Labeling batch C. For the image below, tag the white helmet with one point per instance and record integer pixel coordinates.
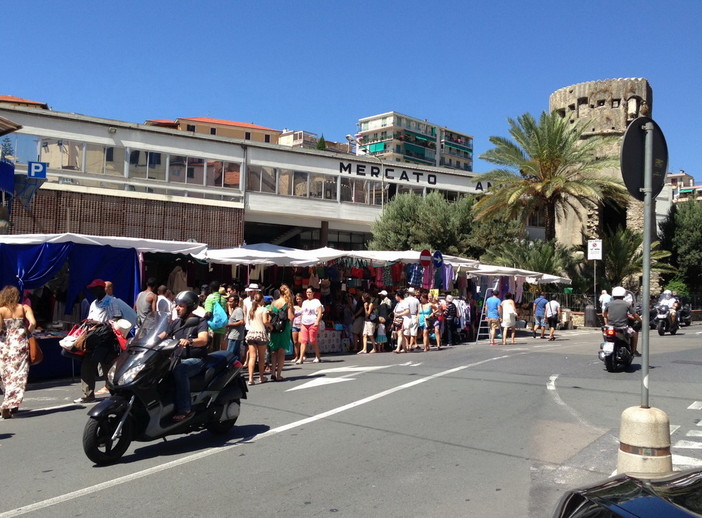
(619, 291)
(668, 294)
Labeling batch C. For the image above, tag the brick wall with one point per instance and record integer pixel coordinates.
(54, 212)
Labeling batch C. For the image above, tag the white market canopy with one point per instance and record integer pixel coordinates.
(140, 245)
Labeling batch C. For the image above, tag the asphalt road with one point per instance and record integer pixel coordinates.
(471, 430)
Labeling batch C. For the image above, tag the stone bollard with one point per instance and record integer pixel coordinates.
(644, 443)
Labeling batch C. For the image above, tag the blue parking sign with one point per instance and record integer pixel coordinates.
(36, 169)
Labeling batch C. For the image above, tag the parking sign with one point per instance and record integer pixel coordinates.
(36, 169)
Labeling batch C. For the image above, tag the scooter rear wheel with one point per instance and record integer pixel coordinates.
(97, 439)
(609, 363)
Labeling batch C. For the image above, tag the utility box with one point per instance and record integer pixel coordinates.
(566, 319)
(591, 316)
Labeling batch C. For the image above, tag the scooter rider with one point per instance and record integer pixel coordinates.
(191, 331)
(618, 313)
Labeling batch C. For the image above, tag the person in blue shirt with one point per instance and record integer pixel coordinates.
(539, 310)
(493, 315)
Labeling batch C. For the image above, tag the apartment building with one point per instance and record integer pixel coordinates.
(395, 137)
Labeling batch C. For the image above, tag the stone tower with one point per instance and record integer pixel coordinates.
(607, 107)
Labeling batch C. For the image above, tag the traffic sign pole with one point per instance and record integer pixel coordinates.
(648, 198)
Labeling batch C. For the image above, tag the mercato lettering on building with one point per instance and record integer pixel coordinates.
(391, 173)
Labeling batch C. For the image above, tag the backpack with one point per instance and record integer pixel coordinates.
(279, 319)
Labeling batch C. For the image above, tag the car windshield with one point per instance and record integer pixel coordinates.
(154, 325)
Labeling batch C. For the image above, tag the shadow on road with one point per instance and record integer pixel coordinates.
(192, 443)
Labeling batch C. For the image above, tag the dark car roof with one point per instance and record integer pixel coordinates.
(679, 495)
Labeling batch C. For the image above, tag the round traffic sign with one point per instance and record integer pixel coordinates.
(438, 259)
(425, 258)
(632, 158)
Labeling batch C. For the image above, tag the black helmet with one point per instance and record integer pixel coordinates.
(188, 299)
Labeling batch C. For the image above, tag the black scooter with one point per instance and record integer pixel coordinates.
(141, 407)
(615, 349)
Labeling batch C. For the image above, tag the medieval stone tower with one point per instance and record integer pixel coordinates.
(606, 108)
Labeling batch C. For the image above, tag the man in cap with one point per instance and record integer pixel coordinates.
(411, 329)
(100, 344)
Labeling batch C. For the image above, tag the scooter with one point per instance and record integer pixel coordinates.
(141, 406)
(615, 349)
(685, 315)
(664, 320)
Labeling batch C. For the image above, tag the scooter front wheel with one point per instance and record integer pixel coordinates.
(98, 444)
(661, 327)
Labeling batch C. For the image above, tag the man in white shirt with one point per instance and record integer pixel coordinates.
(552, 313)
(101, 344)
(605, 298)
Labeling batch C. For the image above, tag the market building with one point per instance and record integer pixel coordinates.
(157, 181)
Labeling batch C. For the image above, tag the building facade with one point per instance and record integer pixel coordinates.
(394, 137)
(109, 177)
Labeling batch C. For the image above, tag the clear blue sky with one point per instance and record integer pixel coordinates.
(322, 65)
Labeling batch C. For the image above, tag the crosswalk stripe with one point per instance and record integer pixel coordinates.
(691, 445)
(694, 433)
(679, 461)
(697, 405)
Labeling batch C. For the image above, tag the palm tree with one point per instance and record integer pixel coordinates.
(549, 168)
(623, 256)
(538, 256)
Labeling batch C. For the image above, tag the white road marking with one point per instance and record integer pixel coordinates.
(697, 405)
(674, 428)
(246, 440)
(694, 433)
(679, 461)
(688, 445)
(551, 385)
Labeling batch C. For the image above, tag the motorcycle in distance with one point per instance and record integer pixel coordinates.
(141, 405)
(664, 320)
(615, 349)
(685, 315)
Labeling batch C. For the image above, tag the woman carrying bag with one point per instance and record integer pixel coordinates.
(16, 324)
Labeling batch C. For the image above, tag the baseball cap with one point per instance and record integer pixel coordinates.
(97, 283)
(252, 287)
(382, 292)
(410, 290)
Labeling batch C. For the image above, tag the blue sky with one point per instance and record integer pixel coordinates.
(322, 65)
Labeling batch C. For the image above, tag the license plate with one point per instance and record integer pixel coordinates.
(608, 347)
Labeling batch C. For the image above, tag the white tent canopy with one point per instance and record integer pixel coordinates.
(141, 245)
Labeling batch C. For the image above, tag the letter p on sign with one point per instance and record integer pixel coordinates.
(36, 169)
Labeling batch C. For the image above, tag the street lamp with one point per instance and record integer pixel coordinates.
(357, 142)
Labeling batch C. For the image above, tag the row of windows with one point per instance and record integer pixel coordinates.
(120, 163)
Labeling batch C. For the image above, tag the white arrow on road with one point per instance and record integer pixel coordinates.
(321, 378)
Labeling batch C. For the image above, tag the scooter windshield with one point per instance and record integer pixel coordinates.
(149, 334)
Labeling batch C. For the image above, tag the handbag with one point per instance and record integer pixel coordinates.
(74, 341)
(36, 355)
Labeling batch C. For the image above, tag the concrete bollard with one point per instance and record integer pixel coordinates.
(644, 443)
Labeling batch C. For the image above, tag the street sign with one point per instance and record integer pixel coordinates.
(438, 259)
(425, 258)
(36, 169)
(632, 158)
(594, 249)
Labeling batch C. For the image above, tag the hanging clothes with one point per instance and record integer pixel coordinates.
(178, 280)
(414, 273)
(448, 277)
(428, 278)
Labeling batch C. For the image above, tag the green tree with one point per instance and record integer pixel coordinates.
(539, 256)
(547, 169)
(622, 255)
(412, 222)
(6, 149)
(321, 143)
(682, 233)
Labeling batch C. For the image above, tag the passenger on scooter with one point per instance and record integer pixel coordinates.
(673, 304)
(191, 330)
(618, 314)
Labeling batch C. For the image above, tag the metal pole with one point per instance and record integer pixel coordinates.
(594, 287)
(647, 190)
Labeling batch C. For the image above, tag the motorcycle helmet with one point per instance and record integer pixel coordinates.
(187, 299)
(618, 291)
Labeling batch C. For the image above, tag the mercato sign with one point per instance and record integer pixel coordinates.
(401, 175)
